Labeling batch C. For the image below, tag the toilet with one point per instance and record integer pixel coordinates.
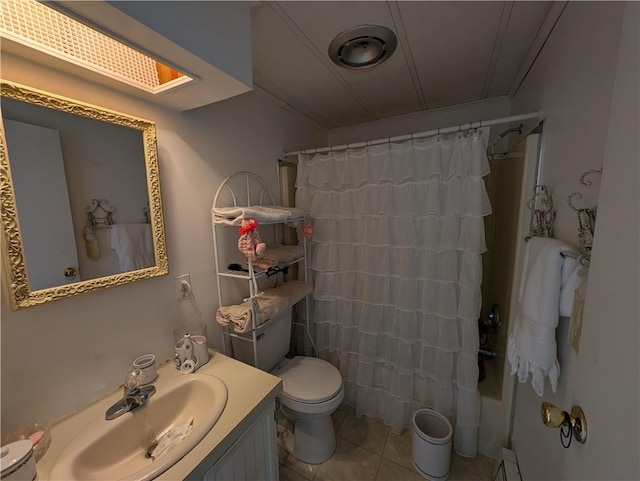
(312, 390)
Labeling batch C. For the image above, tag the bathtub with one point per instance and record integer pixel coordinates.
(495, 402)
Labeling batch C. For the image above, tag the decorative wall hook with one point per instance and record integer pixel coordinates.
(571, 425)
(100, 213)
(584, 181)
(586, 217)
(543, 214)
(583, 177)
(570, 199)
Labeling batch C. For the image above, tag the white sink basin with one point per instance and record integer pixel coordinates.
(115, 450)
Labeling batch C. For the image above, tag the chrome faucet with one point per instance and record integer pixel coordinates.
(134, 395)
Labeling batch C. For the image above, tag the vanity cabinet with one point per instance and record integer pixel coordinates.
(241, 445)
(253, 456)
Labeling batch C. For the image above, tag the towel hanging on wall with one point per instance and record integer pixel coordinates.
(577, 312)
(92, 248)
(532, 342)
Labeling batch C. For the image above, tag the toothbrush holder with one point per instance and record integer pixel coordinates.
(146, 364)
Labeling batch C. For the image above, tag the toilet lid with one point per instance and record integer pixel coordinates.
(308, 379)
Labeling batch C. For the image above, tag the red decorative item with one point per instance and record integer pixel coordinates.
(306, 231)
(248, 227)
(249, 243)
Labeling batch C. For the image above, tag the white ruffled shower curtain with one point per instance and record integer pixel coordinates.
(396, 268)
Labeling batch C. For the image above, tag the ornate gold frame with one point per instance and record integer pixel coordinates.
(14, 271)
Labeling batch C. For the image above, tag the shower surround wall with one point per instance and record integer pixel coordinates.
(503, 186)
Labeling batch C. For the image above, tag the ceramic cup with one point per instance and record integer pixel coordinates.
(146, 364)
(18, 461)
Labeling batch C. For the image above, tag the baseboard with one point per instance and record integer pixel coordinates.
(506, 467)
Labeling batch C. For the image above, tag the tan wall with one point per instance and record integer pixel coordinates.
(586, 81)
(61, 356)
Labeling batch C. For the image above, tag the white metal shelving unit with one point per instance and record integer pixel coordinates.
(246, 189)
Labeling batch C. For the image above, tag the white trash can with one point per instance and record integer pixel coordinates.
(431, 444)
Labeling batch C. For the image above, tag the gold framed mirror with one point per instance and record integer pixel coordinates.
(106, 171)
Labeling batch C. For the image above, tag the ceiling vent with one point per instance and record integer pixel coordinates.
(363, 46)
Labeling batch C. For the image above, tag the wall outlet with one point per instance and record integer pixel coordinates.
(183, 286)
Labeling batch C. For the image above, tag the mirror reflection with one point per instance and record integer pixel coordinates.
(87, 201)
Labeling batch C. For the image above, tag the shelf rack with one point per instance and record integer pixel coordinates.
(246, 189)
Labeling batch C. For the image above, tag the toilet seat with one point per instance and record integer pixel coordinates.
(312, 391)
(308, 380)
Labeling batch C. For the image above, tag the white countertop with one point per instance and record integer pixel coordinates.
(250, 391)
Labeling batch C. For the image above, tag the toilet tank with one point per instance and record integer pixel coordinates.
(272, 345)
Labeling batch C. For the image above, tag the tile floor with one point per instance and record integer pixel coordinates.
(368, 451)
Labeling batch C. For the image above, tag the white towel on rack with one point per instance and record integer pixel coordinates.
(261, 213)
(133, 244)
(271, 302)
(572, 275)
(532, 342)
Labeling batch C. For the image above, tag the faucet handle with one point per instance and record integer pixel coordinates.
(132, 382)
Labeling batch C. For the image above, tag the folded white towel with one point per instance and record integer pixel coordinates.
(261, 213)
(133, 244)
(532, 342)
(571, 279)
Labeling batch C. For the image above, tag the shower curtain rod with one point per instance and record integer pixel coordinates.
(419, 135)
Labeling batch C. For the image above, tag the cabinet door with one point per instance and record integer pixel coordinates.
(254, 457)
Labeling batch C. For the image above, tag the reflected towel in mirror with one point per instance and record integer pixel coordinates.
(133, 244)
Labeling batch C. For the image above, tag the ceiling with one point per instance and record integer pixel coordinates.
(448, 53)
